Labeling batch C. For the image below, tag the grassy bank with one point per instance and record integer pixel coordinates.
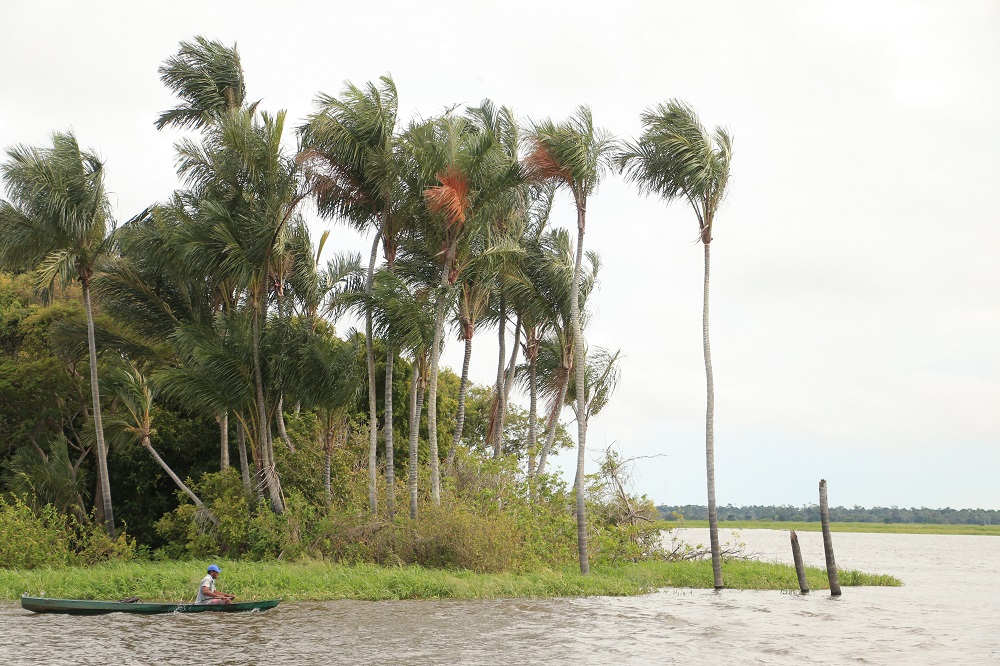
(882, 528)
(322, 581)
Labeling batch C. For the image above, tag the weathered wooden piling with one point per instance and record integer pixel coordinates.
(831, 563)
(800, 568)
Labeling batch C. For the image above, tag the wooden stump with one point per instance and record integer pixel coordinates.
(800, 569)
(831, 563)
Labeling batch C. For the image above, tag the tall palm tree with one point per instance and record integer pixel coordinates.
(574, 154)
(56, 219)
(470, 174)
(677, 158)
(248, 190)
(349, 149)
(208, 78)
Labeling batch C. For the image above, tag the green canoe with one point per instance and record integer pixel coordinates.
(90, 607)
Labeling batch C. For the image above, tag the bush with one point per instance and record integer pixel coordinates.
(28, 541)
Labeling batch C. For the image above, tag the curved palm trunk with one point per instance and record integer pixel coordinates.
(372, 401)
(713, 518)
(432, 390)
(279, 417)
(390, 471)
(102, 451)
(550, 436)
(512, 365)
(463, 389)
(581, 398)
(180, 484)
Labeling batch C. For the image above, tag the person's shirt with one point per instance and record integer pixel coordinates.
(208, 582)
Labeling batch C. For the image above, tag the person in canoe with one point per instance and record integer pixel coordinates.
(207, 594)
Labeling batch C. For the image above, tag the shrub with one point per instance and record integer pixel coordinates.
(28, 541)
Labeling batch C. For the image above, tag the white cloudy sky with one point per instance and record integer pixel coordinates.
(856, 288)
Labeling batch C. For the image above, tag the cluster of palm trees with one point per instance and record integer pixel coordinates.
(220, 301)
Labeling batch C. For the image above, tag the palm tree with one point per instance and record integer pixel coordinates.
(248, 191)
(208, 77)
(133, 419)
(574, 154)
(349, 149)
(677, 158)
(472, 172)
(56, 219)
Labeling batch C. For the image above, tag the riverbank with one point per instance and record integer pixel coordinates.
(873, 528)
(323, 581)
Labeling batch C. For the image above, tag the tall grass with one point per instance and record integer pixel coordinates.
(178, 581)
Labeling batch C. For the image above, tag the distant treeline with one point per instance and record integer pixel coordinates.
(856, 514)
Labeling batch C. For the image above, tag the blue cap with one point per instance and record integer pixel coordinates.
(214, 567)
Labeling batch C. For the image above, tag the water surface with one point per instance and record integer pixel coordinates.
(946, 613)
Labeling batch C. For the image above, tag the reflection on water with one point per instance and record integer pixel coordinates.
(946, 613)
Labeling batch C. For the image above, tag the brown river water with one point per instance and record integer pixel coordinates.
(947, 612)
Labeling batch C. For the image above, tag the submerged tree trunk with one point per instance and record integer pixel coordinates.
(713, 517)
(102, 451)
(390, 470)
(831, 563)
(372, 401)
(176, 479)
(581, 397)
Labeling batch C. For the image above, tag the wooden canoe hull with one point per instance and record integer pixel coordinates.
(91, 607)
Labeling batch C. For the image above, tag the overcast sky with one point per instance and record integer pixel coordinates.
(855, 273)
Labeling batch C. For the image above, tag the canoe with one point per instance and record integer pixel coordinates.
(91, 607)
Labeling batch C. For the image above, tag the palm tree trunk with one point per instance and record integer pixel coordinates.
(416, 402)
(463, 389)
(432, 389)
(550, 436)
(267, 459)
(532, 422)
(390, 471)
(581, 397)
(279, 417)
(372, 400)
(223, 421)
(102, 451)
(241, 440)
(512, 366)
(713, 518)
(180, 484)
(497, 430)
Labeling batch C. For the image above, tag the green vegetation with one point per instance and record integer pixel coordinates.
(323, 581)
(881, 528)
(838, 514)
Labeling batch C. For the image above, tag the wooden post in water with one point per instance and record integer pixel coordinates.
(800, 569)
(831, 563)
